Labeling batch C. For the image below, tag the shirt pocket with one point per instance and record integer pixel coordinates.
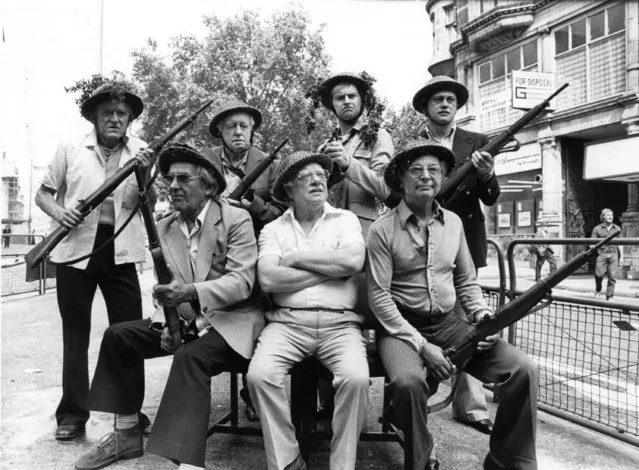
(362, 154)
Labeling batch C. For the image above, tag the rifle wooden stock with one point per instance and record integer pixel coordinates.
(456, 182)
(519, 308)
(248, 180)
(85, 206)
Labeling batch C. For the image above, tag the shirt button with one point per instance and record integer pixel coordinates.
(205, 309)
(467, 193)
(470, 216)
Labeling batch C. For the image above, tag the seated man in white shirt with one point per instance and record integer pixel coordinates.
(307, 260)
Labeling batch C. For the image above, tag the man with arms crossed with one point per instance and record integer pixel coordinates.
(308, 259)
(419, 266)
(211, 251)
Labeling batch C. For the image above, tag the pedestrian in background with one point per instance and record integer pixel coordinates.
(544, 253)
(608, 255)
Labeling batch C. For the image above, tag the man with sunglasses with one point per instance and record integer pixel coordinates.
(419, 265)
(211, 252)
(308, 259)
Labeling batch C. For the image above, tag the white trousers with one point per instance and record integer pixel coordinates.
(335, 339)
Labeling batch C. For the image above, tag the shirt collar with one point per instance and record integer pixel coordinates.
(405, 213)
(92, 139)
(199, 221)
(241, 164)
(329, 210)
(448, 136)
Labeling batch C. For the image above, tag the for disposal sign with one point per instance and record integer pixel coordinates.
(530, 88)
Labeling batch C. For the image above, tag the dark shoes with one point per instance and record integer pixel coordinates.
(250, 412)
(432, 464)
(144, 423)
(67, 432)
(483, 425)
(115, 446)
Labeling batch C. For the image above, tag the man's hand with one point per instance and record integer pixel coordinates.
(288, 260)
(436, 362)
(167, 343)
(173, 293)
(483, 163)
(335, 150)
(68, 218)
(144, 157)
(242, 203)
(487, 343)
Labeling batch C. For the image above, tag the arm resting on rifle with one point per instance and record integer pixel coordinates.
(268, 210)
(45, 200)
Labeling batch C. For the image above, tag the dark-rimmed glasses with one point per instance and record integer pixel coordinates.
(306, 175)
(182, 179)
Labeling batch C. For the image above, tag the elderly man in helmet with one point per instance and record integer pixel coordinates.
(359, 148)
(211, 251)
(235, 123)
(76, 170)
(308, 259)
(439, 101)
(419, 266)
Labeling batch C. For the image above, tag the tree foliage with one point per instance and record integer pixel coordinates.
(84, 88)
(405, 125)
(267, 63)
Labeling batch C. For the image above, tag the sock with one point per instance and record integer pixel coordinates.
(123, 421)
(186, 466)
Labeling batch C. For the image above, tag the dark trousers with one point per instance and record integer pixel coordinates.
(606, 263)
(181, 424)
(547, 256)
(75, 290)
(512, 442)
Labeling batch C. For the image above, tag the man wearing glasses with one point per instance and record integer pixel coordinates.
(419, 265)
(307, 261)
(211, 252)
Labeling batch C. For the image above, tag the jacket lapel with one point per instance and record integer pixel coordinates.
(209, 233)
(252, 159)
(462, 146)
(178, 252)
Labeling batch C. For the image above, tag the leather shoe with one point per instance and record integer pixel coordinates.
(432, 464)
(483, 425)
(67, 432)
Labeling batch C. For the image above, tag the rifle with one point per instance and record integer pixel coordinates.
(458, 181)
(244, 188)
(519, 308)
(85, 206)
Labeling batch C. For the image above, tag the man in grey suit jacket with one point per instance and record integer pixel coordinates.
(211, 251)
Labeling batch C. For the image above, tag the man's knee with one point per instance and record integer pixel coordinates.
(410, 383)
(260, 373)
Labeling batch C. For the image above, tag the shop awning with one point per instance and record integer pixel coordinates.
(615, 160)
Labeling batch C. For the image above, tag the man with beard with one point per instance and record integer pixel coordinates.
(211, 252)
(76, 170)
(439, 101)
(235, 123)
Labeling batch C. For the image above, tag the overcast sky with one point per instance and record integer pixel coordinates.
(49, 44)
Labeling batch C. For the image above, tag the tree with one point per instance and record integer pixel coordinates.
(267, 63)
(405, 125)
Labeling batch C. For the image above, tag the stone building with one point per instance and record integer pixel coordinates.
(580, 157)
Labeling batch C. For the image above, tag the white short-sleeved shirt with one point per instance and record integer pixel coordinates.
(77, 170)
(336, 228)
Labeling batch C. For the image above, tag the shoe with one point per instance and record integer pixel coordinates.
(144, 423)
(483, 425)
(597, 293)
(250, 412)
(432, 464)
(118, 445)
(67, 432)
(608, 297)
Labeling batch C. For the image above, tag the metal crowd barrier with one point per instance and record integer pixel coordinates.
(588, 354)
(16, 277)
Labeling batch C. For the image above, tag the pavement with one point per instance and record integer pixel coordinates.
(30, 389)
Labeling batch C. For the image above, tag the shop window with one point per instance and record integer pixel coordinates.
(578, 33)
(561, 40)
(513, 60)
(530, 53)
(616, 18)
(597, 25)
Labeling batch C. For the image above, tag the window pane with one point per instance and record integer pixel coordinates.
(498, 67)
(578, 33)
(462, 17)
(597, 25)
(530, 53)
(513, 60)
(484, 72)
(616, 18)
(561, 40)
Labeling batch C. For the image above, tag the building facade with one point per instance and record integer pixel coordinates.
(584, 154)
(12, 199)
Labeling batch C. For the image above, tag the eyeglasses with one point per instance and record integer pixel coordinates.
(182, 179)
(417, 171)
(306, 175)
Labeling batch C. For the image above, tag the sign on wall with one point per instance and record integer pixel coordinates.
(530, 88)
(528, 157)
